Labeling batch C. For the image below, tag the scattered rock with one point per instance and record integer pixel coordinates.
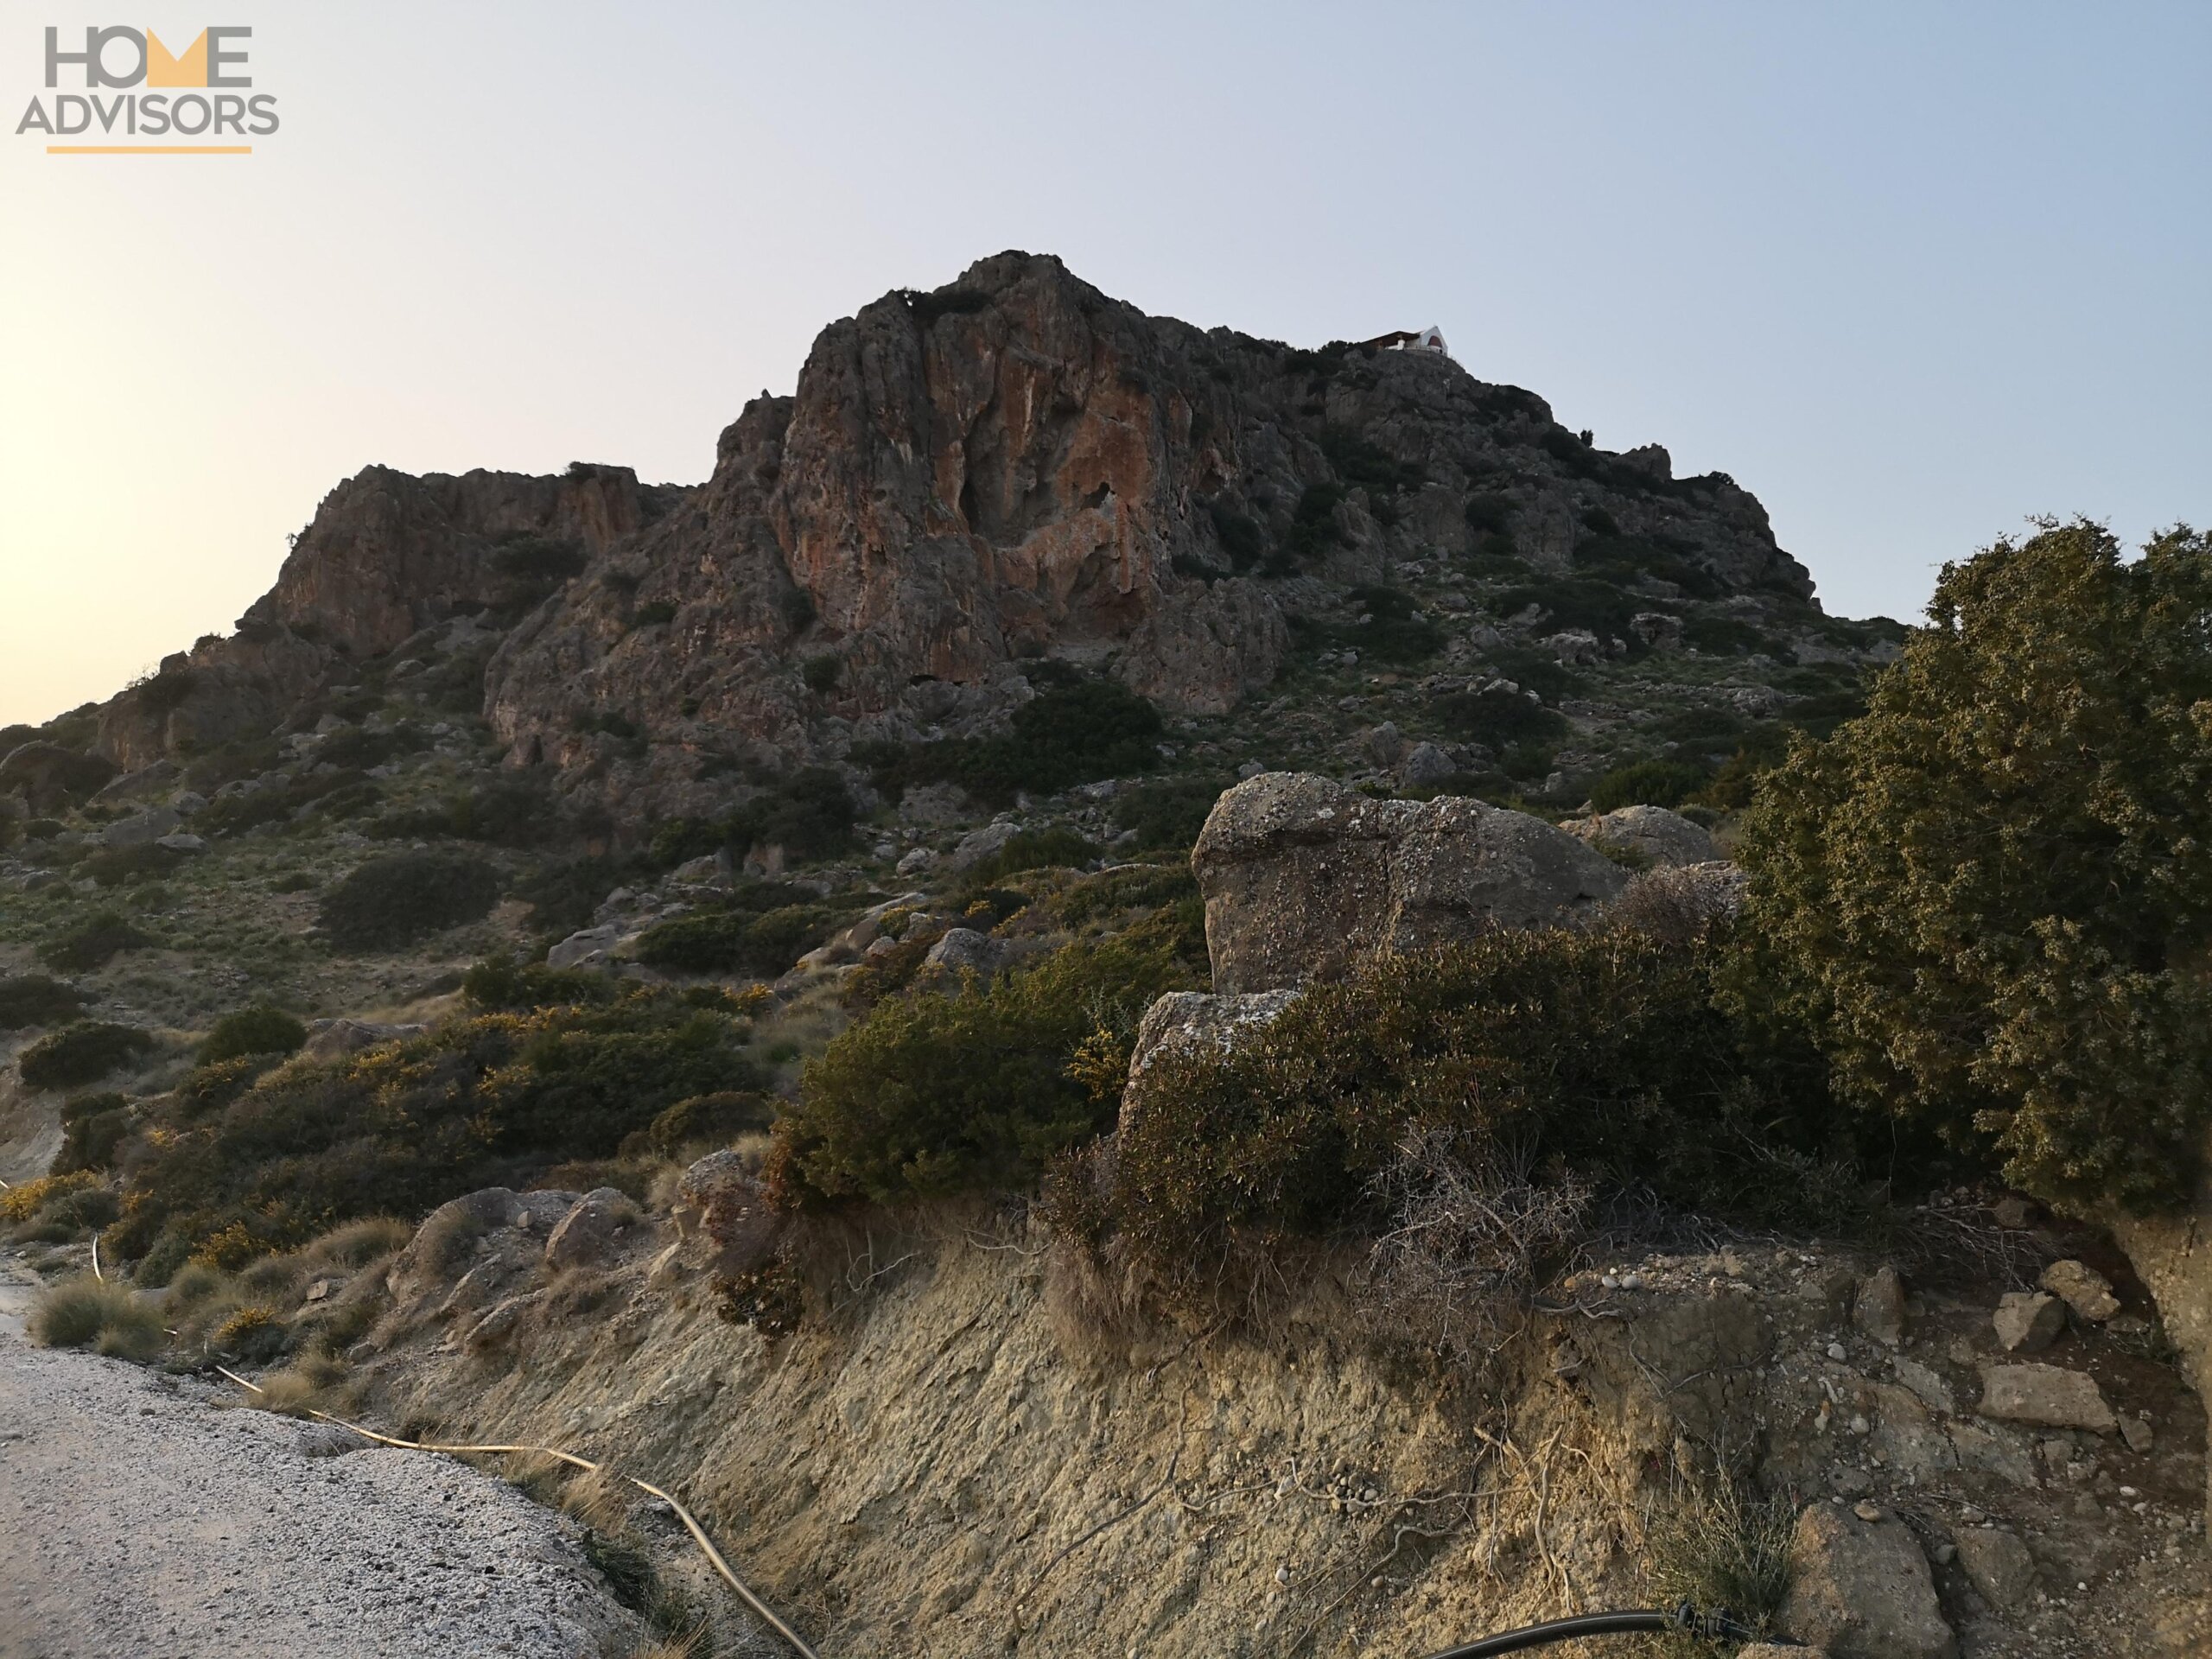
(1658, 836)
(585, 947)
(1303, 877)
(915, 861)
(589, 1232)
(2048, 1394)
(142, 829)
(2027, 1321)
(1998, 1565)
(1425, 766)
(1862, 1589)
(1879, 1309)
(704, 870)
(979, 844)
(962, 950)
(2137, 1433)
(2083, 1288)
(181, 841)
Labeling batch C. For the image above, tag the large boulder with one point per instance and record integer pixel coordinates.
(1652, 833)
(1303, 878)
(595, 1226)
(1860, 1587)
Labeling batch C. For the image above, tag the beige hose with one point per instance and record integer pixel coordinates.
(690, 1523)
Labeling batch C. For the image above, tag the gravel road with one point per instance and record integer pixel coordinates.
(142, 1518)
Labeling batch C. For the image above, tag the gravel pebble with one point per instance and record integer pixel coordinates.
(143, 1519)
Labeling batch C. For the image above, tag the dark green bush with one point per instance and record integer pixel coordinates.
(1132, 887)
(113, 867)
(761, 942)
(27, 1000)
(81, 1054)
(390, 903)
(1991, 897)
(498, 1099)
(1067, 735)
(821, 672)
(92, 1127)
(342, 793)
(1647, 783)
(1725, 636)
(1604, 1054)
(500, 982)
(211, 1087)
(653, 615)
(703, 1120)
(1313, 525)
(1577, 602)
(539, 560)
(93, 943)
(1032, 849)
(252, 1031)
(1240, 536)
(1498, 719)
(933, 1095)
(1398, 632)
(1168, 813)
(564, 897)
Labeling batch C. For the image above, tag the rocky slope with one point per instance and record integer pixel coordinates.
(1012, 467)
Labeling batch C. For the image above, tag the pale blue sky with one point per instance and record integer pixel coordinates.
(1909, 273)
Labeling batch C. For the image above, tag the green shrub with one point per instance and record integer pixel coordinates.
(1646, 783)
(1725, 636)
(114, 867)
(701, 1120)
(1240, 536)
(1312, 527)
(93, 943)
(564, 897)
(502, 984)
(1070, 733)
(504, 812)
(1032, 849)
(27, 1000)
(390, 903)
(252, 1031)
(1991, 897)
(85, 1313)
(1168, 813)
(538, 560)
(496, 1099)
(763, 944)
(653, 615)
(932, 1095)
(1498, 719)
(81, 1054)
(821, 672)
(1604, 1054)
(1134, 886)
(209, 1087)
(92, 1127)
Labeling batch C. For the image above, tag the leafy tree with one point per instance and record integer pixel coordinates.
(1992, 895)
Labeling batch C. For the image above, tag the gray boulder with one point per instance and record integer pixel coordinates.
(1999, 1566)
(592, 1229)
(1185, 1020)
(1652, 833)
(1303, 878)
(979, 844)
(1425, 766)
(2049, 1395)
(963, 949)
(180, 841)
(142, 828)
(330, 1039)
(584, 947)
(2083, 1288)
(1862, 1589)
(2027, 1321)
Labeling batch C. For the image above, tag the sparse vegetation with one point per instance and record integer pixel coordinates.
(108, 1318)
(32, 999)
(93, 943)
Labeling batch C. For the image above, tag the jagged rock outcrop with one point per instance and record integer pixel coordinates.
(386, 556)
(1303, 877)
(1012, 467)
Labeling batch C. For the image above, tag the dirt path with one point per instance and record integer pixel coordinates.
(140, 1518)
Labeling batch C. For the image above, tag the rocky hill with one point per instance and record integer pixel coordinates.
(1012, 470)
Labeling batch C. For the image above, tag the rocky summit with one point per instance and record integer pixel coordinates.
(1009, 474)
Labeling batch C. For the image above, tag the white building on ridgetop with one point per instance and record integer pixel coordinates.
(1430, 338)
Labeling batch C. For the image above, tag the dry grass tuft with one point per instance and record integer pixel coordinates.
(1717, 1546)
(108, 1318)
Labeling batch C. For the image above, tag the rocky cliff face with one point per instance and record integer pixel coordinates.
(1012, 467)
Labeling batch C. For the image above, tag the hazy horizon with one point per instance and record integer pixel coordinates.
(1910, 277)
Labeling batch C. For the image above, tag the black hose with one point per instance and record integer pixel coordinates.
(1684, 1618)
